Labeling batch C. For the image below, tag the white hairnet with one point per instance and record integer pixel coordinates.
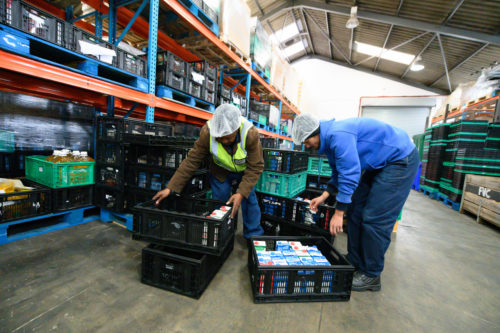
(303, 126)
(226, 120)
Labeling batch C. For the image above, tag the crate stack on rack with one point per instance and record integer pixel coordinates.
(191, 238)
(28, 19)
(202, 81)
(259, 113)
(150, 163)
(425, 156)
(283, 197)
(171, 71)
(437, 147)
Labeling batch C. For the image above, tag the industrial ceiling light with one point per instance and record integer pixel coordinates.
(417, 65)
(353, 22)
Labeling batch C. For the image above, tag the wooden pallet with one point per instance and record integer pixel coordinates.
(482, 198)
(483, 98)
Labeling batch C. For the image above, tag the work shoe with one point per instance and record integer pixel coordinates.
(362, 282)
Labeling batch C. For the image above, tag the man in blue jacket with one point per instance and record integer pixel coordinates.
(373, 166)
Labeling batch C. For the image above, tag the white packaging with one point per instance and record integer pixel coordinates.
(235, 25)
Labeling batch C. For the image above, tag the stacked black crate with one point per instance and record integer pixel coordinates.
(465, 150)
(203, 81)
(259, 112)
(152, 161)
(425, 155)
(171, 71)
(493, 137)
(437, 148)
(224, 95)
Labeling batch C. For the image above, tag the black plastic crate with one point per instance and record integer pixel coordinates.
(285, 161)
(166, 60)
(109, 198)
(203, 67)
(156, 179)
(109, 175)
(295, 211)
(184, 222)
(135, 126)
(21, 205)
(194, 89)
(287, 229)
(169, 157)
(211, 13)
(180, 271)
(75, 34)
(268, 142)
(166, 77)
(273, 284)
(210, 84)
(135, 196)
(147, 140)
(111, 153)
(110, 128)
(225, 92)
(25, 17)
(131, 63)
(70, 198)
(209, 96)
(12, 165)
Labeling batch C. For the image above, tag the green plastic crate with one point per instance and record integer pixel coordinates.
(262, 119)
(7, 144)
(285, 129)
(314, 165)
(324, 167)
(282, 184)
(57, 175)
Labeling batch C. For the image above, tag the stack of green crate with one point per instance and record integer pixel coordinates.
(319, 166)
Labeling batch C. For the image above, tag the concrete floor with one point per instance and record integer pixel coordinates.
(442, 275)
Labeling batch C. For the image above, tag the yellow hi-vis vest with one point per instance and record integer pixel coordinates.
(238, 161)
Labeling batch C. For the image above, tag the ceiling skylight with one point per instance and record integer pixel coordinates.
(396, 56)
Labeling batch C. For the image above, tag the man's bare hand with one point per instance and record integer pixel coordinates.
(161, 195)
(236, 201)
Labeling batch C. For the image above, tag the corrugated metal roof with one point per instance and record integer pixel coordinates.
(474, 15)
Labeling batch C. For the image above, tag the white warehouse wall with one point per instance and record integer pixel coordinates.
(331, 90)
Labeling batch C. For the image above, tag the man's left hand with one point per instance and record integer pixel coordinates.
(236, 201)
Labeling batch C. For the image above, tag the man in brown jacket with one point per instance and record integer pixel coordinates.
(233, 144)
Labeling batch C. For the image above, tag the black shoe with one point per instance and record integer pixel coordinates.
(362, 282)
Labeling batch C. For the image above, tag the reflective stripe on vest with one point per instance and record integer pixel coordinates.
(236, 162)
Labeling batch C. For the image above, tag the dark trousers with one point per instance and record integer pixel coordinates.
(375, 207)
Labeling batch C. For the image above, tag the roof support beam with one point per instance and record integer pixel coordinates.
(307, 30)
(444, 62)
(329, 39)
(473, 54)
(379, 74)
(393, 48)
(328, 32)
(299, 29)
(418, 55)
(387, 19)
(388, 35)
(457, 6)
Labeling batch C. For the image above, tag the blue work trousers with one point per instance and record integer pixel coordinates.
(375, 207)
(249, 206)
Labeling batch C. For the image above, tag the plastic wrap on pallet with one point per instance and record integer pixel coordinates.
(235, 25)
(278, 71)
(40, 124)
(274, 117)
(260, 46)
(292, 88)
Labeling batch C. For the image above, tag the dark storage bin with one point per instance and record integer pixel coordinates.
(109, 198)
(272, 284)
(77, 34)
(183, 272)
(210, 97)
(210, 84)
(204, 68)
(225, 92)
(130, 63)
(135, 196)
(268, 142)
(12, 165)
(169, 157)
(166, 60)
(111, 153)
(285, 161)
(110, 128)
(71, 198)
(156, 179)
(21, 205)
(195, 89)
(295, 211)
(110, 175)
(171, 79)
(184, 222)
(25, 17)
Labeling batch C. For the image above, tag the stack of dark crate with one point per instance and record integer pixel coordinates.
(286, 211)
(190, 237)
(152, 161)
(425, 155)
(259, 112)
(437, 148)
(224, 94)
(464, 138)
(111, 151)
(171, 71)
(202, 81)
(269, 142)
(493, 137)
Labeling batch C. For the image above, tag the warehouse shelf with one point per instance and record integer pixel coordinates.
(482, 108)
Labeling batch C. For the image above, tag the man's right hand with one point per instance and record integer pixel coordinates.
(318, 201)
(161, 195)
